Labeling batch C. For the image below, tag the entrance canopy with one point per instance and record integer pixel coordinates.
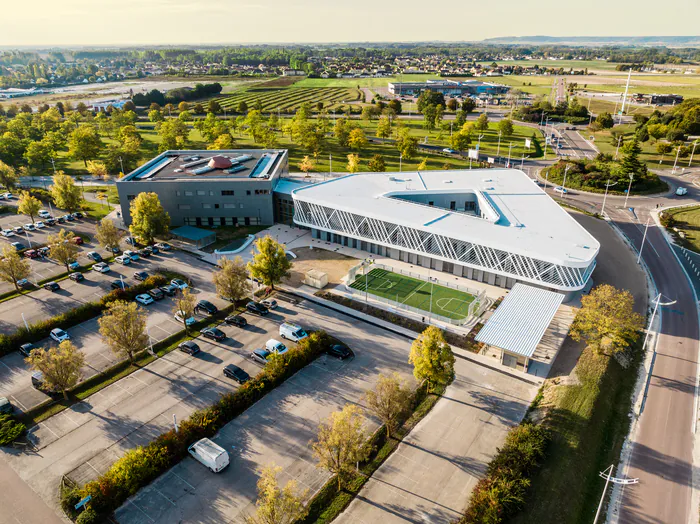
(194, 235)
(519, 323)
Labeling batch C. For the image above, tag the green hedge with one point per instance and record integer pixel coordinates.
(40, 330)
(10, 429)
(501, 493)
(142, 465)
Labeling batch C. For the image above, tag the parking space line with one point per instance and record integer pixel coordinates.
(65, 414)
(18, 403)
(183, 480)
(8, 367)
(166, 498)
(139, 508)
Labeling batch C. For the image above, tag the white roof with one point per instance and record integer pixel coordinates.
(519, 323)
(519, 216)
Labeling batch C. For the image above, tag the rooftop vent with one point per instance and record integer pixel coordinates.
(220, 162)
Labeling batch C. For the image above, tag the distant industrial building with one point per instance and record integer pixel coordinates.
(657, 99)
(448, 88)
(209, 188)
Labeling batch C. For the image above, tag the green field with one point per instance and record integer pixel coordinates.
(446, 302)
(688, 219)
(288, 99)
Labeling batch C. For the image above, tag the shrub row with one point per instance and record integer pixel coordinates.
(10, 429)
(40, 330)
(501, 493)
(142, 465)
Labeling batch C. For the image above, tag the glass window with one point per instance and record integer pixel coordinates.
(201, 192)
(189, 193)
(183, 206)
(229, 206)
(177, 193)
(227, 193)
(206, 206)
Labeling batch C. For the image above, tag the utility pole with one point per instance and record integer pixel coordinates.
(608, 185)
(629, 188)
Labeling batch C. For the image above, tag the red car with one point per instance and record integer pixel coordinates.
(78, 240)
(31, 253)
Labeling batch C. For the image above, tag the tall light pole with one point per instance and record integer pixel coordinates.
(675, 162)
(510, 146)
(657, 303)
(563, 185)
(607, 475)
(607, 186)
(498, 151)
(617, 149)
(692, 153)
(400, 162)
(629, 188)
(641, 248)
(522, 160)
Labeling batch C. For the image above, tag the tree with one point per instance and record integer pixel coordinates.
(353, 163)
(154, 115)
(505, 126)
(8, 176)
(183, 106)
(214, 107)
(657, 131)
(222, 142)
(605, 120)
(406, 144)
(84, 143)
(275, 505)
(452, 104)
(341, 131)
(630, 163)
(173, 134)
(13, 267)
(460, 140)
(97, 169)
(28, 205)
(664, 148)
(306, 165)
(376, 164)
(108, 235)
(388, 400)
(357, 139)
(231, 281)
(65, 193)
(184, 305)
(242, 107)
(423, 165)
(60, 366)
(62, 248)
(270, 263)
(384, 127)
(468, 105)
(148, 218)
(432, 358)
(123, 328)
(429, 98)
(482, 123)
(368, 113)
(607, 320)
(340, 443)
(395, 106)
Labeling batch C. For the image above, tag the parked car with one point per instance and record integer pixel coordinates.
(119, 284)
(52, 286)
(94, 255)
(340, 351)
(292, 332)
(141, 275)
(38, 382)
(29, 227)
(59, 335)
(26, 349)
(78, 214)
(156, 293)
(260, 356)
(101, 267)
(31, 253)
(130, 241)
(78, 241)
(236, 320)
(178, 283)
(61, 220)
(210, 454)
(180, 317)
(50, 221)
(204, 306)
(269, 303)
(257, 308)
(275, 346)
(154, 249)
(44, 214)
(8, 196)
(18, 230)
(78, 277)
(163, 246)
(115, 250)
(73, 266)
(40, 225)
(213, 333)
(69, 218)
(5, 406)
(18, 246)
(123, 259)
(144, 299)
(7, 233)
(133, 255)
(190, 347)
(24, 283)
(44, 251)
(236, 373)
(145, 253)
(168, 290)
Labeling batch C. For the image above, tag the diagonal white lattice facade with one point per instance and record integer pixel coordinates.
(519, 267)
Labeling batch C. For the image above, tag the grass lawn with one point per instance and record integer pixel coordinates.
(688, 221)
(589, 422)
(416, 293)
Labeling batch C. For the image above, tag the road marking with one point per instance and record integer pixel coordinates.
(18, 403)
(139, 508)
(183, 480)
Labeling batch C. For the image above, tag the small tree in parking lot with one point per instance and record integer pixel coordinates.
(148, 218)
(28, 205)
(388, 399)
(432, 358)
(231, 280)
(123, 328)
(275, 505)
(108, 235)
(13, 267)
(60, 366)
(184, 305)
(65, 193)
(270, 263)
(62, 248)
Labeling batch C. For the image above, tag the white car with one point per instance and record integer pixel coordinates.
(8, 233)
(681, 191)
(123, 259)
(40, 225)
(29, 227)
(100, 267)
(560, 190)
(44, 214)
(449, 151)
(133, 255)
(180, 284)
(179, 316)
(8, 196)
(269, 303)
(59, 335)
(144, 299)
(275, 346)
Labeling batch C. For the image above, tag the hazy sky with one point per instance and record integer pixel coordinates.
(128, 22)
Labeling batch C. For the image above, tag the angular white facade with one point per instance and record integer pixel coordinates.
(493, 222)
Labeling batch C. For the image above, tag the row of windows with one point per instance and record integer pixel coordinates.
(212, 206)
(222, 221)
(224, 192)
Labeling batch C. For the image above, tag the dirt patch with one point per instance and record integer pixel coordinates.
(282, 81)
(333, 264)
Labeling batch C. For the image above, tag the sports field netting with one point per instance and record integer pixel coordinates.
(447, 302)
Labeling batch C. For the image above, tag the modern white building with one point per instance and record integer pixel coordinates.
(494, 225)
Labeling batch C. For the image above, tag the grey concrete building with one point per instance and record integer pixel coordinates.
(209, 188)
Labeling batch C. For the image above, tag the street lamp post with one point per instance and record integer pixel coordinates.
(563, 185)
(522, 160)
(608, 185)
(498, 151)
(641, 248)
(510, 146)
(629, 188)
(692, 153)
(617, 149)
(400, 162)
(675, 162)
(607, 475)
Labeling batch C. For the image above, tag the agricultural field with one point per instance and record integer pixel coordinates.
(363, 82)
(288, 99)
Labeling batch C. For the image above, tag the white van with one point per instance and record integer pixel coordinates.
(275, 346)
(292, 332)
(210, 454)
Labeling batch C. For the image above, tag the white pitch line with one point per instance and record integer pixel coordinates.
(414, 292)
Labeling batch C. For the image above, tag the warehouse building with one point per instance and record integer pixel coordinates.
(453, 88)
(495, 226)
